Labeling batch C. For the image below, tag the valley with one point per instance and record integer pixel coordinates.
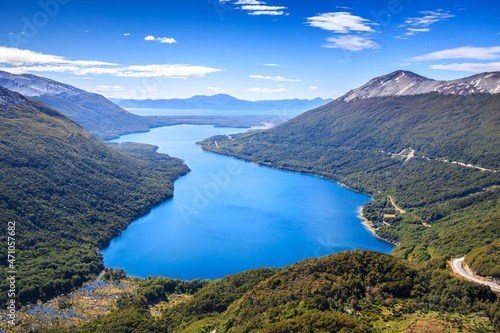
(423, 203)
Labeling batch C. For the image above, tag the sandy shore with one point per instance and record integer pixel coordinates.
(368, 225)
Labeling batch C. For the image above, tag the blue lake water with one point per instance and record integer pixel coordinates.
(229, 216)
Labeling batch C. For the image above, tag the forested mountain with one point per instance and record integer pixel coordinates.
(97, 114)
(351, 291)
(435, 154)
(223, 102)
(68, 194)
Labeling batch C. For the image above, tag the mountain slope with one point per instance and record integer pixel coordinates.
(436, 154)
(97, 114)
(68, 194)
(352, 291)
(403, 83)
(223, 102)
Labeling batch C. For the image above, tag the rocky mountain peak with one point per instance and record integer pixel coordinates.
(401, 83)
(33, 86)
(10, 99)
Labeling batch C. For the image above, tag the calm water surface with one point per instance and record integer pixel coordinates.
(228, 216)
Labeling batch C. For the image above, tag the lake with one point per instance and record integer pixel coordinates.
(228, 216)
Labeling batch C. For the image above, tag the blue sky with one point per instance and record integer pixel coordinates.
(251, 49)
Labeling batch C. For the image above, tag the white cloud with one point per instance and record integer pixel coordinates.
(274, 78)
(267, 90)
(465, 52)
(126, 34)
(24, 61)
(256, 7)
(419, 30)
(470, 67)
(16, 56)
(217, 89)
(415, 25)
(161, 40)
(429, 18)
(166, 71)
(341, 22)
(272, 65)
(262, 7)
(166, 40)
(351, 43)
(248, 2)
(44, 68)
(267, 12)
(313, 88)
(104, 87)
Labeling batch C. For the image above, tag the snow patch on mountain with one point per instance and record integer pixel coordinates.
(402, 83)
(33, 86)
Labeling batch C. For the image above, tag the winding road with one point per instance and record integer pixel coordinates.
(456, 265)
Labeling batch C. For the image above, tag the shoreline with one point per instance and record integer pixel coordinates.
(366, 223)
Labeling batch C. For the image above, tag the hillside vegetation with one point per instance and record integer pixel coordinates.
(68, 194)
(352, 291)
(368, 145)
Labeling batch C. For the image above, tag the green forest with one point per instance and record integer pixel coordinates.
(351, 291)
(69, 195)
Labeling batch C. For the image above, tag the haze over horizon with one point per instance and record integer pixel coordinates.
(250, 49)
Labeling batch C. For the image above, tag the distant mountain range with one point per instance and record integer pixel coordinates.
(402, 83)
(223, 102)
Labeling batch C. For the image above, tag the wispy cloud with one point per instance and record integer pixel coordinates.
(217, 90)
(103, 87)
(180, 71)
(469, 67)
(262, 7)
(414, 25)
(313, 88)
(24, 61)
(272, 65)
(340, 22)
(351, 43)
(126, 34)
(274, 78)
(357, 31)
(465, 52)
(267, 12)
(256, 7)
(248, 2)
(267, 90)
(162, 40)
(430, 17)
(16, 56)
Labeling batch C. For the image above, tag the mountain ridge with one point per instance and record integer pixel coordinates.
(97, 114)
(403, 83)
(223, 102)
